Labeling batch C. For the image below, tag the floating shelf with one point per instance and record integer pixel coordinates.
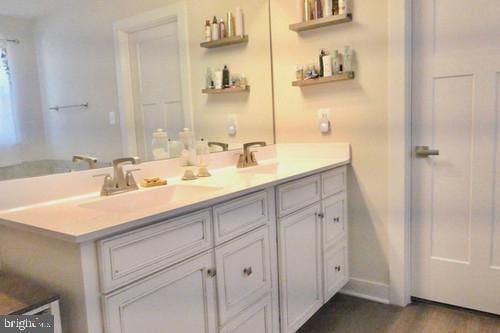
(322, 22)
(323, 80)
(225, 91)
(225, 42)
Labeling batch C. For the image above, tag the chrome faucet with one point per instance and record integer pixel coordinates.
(121, 181)
(224, 146)
(90, 160)
(247, 159)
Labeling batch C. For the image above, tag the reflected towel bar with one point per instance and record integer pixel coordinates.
(57, 108)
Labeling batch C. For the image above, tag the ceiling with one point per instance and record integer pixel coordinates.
(29, 8)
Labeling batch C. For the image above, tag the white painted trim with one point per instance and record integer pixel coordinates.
(122, 29)
(399, 104)
(370, 290)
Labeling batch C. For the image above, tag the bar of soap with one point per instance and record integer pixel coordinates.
(157, 181)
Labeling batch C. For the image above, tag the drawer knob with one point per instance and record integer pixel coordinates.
(320, 215)
(247, 271)
(211, 272)
(338, 268)
(336, 219)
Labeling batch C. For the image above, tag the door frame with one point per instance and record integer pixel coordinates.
(400, 150)
(121, 31)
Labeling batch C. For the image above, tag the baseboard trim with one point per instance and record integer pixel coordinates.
(370, 290)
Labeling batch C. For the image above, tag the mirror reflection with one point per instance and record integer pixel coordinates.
(83, 82)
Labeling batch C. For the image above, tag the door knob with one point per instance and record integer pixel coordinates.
(424, 151)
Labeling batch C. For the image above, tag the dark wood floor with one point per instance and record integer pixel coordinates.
(346, 314)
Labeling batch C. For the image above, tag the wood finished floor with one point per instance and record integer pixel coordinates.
(346, 314)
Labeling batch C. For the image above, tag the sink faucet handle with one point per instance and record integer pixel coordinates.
(246, 146)
(105, 175)
(129, 178)
(108, 185)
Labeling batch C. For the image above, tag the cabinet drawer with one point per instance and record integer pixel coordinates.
(130, 256)
(243, 272)
(334, 181)
(241, 215)
(298, 194)
(335, 219)
(256, 319)
(336, 270)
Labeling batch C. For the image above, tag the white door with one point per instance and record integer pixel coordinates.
(156, 80)
(181, 299)
(456, 194)
(300, 261)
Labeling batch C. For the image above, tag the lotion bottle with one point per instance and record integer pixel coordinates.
(328, 8)
(208, 31)
(240, 23)
(222, 29)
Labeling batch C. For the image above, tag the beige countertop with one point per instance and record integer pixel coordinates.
(72, 220)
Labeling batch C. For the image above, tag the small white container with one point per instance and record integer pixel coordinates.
(218, 79)
(328, 9)
(343, 7)
(327, 66)
(160, 145)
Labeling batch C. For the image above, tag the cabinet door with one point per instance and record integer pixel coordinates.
(300, 267)
(335, 219)
(336, 270)
(181, 299)
(243, 272)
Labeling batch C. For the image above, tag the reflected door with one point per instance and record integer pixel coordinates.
(156, 80)
(456, 166)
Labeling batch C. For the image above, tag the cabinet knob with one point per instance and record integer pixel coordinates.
(336, 219)
(320, 215)
(211, 272)
(247, 271)
(338, 268)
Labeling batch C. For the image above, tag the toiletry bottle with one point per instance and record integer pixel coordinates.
(226, 78)
(208, 31)
(215, 29)
(322, 53)
(327, 65)
(318, 9)
(335, 7)
(240, 23)
(299, 73)
(230, 24)
(209, 79)
(336, 62)
(347, 59)
(328, 8)
(218, 79)
(222, 29)
(243, 82)
(307, 10)
(342, 7)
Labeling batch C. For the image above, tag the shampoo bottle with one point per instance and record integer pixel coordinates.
(318, 9)
(208, 31)
(226, 78)
(215, 29)
(222, 29)
(328, 8)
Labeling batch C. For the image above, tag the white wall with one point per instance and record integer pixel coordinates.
(23, 64)
(359, 116)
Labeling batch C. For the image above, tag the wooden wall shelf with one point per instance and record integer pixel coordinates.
(323, 80)
(225, 42)
(320, 23)
(225, 91)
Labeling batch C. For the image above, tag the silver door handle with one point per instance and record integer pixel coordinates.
(424, 151)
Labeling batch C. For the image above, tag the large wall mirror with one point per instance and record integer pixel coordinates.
(114, 78)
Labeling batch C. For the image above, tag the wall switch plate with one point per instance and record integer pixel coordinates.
(112, 118)
(327, 113)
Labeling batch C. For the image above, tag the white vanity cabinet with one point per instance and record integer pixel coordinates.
(209, 271)
(313, 253)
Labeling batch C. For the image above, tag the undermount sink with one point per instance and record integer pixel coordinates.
(150, 198)
(267, 169)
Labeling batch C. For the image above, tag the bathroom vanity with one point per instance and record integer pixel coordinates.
(247, 250)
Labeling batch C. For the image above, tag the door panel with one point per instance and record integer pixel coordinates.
(455, 98)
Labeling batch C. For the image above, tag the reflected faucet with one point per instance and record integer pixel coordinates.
(247, 159)
(91, 161)
(121, 181)
(224, 146)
